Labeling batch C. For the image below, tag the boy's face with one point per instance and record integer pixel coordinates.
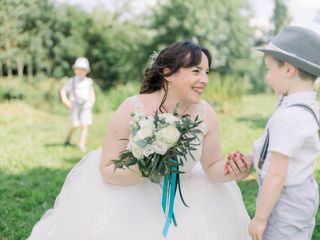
(80, 72)
(276, 76)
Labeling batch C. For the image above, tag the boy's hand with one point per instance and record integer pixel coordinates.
(68, 104)
(257, 228)
(66, 101)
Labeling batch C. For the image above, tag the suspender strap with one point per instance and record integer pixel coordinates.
(265, 146)
(309, 109)
(74, 89)
(264, 150)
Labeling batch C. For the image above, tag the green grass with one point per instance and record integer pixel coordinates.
(34, 163)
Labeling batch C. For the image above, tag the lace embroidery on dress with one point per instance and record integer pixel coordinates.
(208, 229)
(202, 112)
(137, 105)
(100, 223)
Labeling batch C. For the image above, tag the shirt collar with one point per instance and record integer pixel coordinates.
(79, 78)
(300, 97)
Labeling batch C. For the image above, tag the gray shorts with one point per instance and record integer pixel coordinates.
(81, 114)
(293, 216)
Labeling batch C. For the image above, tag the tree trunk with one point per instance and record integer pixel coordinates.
(20, 70)
(49, 69)
(30, 73)
(9, 70)
(1, 70)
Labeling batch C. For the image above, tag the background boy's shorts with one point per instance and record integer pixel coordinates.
(81, 114)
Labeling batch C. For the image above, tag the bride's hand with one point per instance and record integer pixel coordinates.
(248, 159)
(238, 165)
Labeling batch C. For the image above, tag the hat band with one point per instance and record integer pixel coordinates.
(273, 47)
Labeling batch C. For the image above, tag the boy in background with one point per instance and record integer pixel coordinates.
(79, 96)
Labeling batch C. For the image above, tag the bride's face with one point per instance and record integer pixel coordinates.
(188, 84)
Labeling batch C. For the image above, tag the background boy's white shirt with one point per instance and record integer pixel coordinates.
(294, 133)
(82, 89)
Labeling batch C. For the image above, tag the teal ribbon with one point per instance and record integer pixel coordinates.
(168, 200)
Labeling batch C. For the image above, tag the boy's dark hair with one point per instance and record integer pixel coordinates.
(303, 74)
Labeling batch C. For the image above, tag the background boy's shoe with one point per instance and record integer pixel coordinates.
(67, 143)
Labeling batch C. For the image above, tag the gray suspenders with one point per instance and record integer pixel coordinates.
(76, 97)
(264, 150)
(73, 81)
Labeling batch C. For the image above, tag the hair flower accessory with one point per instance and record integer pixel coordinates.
(154, 56)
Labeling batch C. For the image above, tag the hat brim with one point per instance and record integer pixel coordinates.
(297, 62)
(75, 66)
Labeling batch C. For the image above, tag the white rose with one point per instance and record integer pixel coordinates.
(169, 118)
(143, 133)
(169, 135)
(147, 123)
(148, 150)
(129, 145)
(134, 124)
(136, 150)
(160, 147)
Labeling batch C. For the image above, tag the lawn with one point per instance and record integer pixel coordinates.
(34, 163)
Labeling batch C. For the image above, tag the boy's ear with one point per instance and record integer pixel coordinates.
(290, 70)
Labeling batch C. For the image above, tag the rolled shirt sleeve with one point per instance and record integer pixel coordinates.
(289, 130)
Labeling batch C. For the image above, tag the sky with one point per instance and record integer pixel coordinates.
(303, 12)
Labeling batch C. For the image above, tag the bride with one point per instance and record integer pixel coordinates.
(97, 202)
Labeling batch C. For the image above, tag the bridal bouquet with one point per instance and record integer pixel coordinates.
(159, 143)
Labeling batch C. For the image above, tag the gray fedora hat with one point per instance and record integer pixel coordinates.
(297, 46)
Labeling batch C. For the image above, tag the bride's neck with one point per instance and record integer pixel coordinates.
(173, 103)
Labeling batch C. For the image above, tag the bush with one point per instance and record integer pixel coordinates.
(12, 94)
(120, 92)
(225, 92)
(43, 94)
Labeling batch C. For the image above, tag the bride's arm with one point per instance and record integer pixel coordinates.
(211, 159)
(118, 128)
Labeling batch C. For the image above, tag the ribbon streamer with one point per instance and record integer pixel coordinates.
(170, 185)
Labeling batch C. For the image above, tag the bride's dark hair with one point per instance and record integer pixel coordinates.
(178, 55)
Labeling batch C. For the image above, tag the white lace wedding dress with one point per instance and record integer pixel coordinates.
(87, 208)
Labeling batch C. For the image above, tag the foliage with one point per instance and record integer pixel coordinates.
(44, 95)
(221, 26)
(225, 92)
(158, 144)
(281, 17)
(45, 37)
(119, 92)
(118, 52)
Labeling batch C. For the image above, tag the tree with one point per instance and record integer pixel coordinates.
(116, 41)
(280, 16)
(11, 29)
(221, 26)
